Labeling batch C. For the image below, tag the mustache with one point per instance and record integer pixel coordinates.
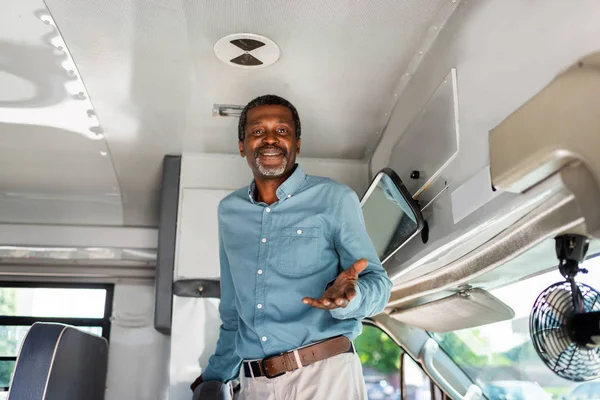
(265, 149)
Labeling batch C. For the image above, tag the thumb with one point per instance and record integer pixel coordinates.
(359, 266)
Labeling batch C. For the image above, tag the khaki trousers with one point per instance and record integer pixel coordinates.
(336, 378)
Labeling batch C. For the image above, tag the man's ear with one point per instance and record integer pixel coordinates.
(241, 147)
(298, 143)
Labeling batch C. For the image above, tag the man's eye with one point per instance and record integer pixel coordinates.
(257, 132)
(283, 130)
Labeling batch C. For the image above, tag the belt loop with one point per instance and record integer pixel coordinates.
(298, 360)
(251, 371)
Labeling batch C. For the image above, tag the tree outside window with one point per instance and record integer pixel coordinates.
(380, 358)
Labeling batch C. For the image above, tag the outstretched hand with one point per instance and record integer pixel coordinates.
(341, 291)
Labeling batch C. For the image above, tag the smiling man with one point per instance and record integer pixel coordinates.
(298, 271)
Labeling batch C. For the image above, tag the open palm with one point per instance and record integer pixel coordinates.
(342, 290)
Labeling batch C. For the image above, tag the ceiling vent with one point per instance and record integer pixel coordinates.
(247, 50)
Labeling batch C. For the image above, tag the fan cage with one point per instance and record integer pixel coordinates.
(575, 363)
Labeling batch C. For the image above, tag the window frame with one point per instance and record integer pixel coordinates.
(404, 353)
(19, 320)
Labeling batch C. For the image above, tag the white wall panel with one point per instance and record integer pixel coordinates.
(194, 335)
(198, 253)
(138, 354)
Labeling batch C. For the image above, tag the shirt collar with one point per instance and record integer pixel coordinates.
(292, 184)
(286, 189)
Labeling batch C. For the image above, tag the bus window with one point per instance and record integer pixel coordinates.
(380, 357)
(88, 307)
(416, 384)
(389, 371)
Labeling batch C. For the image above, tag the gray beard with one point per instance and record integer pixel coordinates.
(271, 171)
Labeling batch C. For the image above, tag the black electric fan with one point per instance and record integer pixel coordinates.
(565, 320)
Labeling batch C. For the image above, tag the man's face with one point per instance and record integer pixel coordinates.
(270, 144)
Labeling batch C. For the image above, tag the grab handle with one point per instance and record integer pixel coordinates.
(427, 353)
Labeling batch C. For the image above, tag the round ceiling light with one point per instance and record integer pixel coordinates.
(247, 50)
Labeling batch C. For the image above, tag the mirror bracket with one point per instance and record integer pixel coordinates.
(425, 233)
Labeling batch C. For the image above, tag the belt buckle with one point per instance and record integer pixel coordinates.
(264, 367)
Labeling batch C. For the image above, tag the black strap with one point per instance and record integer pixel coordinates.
(255, 369)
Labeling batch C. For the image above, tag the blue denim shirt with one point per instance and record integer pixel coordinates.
(274, 255)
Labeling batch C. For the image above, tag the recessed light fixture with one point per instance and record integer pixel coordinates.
(247, 50)
(103, 153)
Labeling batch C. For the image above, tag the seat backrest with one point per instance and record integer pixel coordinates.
(212, 390)
(57, 361)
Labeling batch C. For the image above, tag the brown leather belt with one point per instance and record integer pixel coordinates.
(277, 365)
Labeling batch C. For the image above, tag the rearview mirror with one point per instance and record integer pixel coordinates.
(391, 215)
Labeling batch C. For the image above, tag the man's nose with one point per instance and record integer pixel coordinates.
(271, 137)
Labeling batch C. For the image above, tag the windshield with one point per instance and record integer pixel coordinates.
(500, 357)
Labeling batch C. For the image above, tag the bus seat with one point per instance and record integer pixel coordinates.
(212, 390)
(57, 361)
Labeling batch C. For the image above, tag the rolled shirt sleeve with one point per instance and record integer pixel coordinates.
(352, 242)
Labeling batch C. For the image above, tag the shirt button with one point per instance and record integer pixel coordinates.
(299, 231)
(264, 240)
(260, 271)
(264, 338)
(268, 210)
(289, 195)
(259, 306)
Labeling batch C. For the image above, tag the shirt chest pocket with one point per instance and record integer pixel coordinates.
(300, 251)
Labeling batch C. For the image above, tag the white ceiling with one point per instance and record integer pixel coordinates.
(51, 163)
(152, 77)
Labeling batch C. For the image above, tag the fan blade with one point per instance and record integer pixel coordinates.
(247, 44)
(554, 341)
(560, 303)
(247, 59)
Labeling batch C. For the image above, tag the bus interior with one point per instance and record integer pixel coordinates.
(468, 129)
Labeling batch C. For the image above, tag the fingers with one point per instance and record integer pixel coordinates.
(329, 303)
(324, 303)
(350, 293)
(359, 266)
(314, 303)
(341, 302)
